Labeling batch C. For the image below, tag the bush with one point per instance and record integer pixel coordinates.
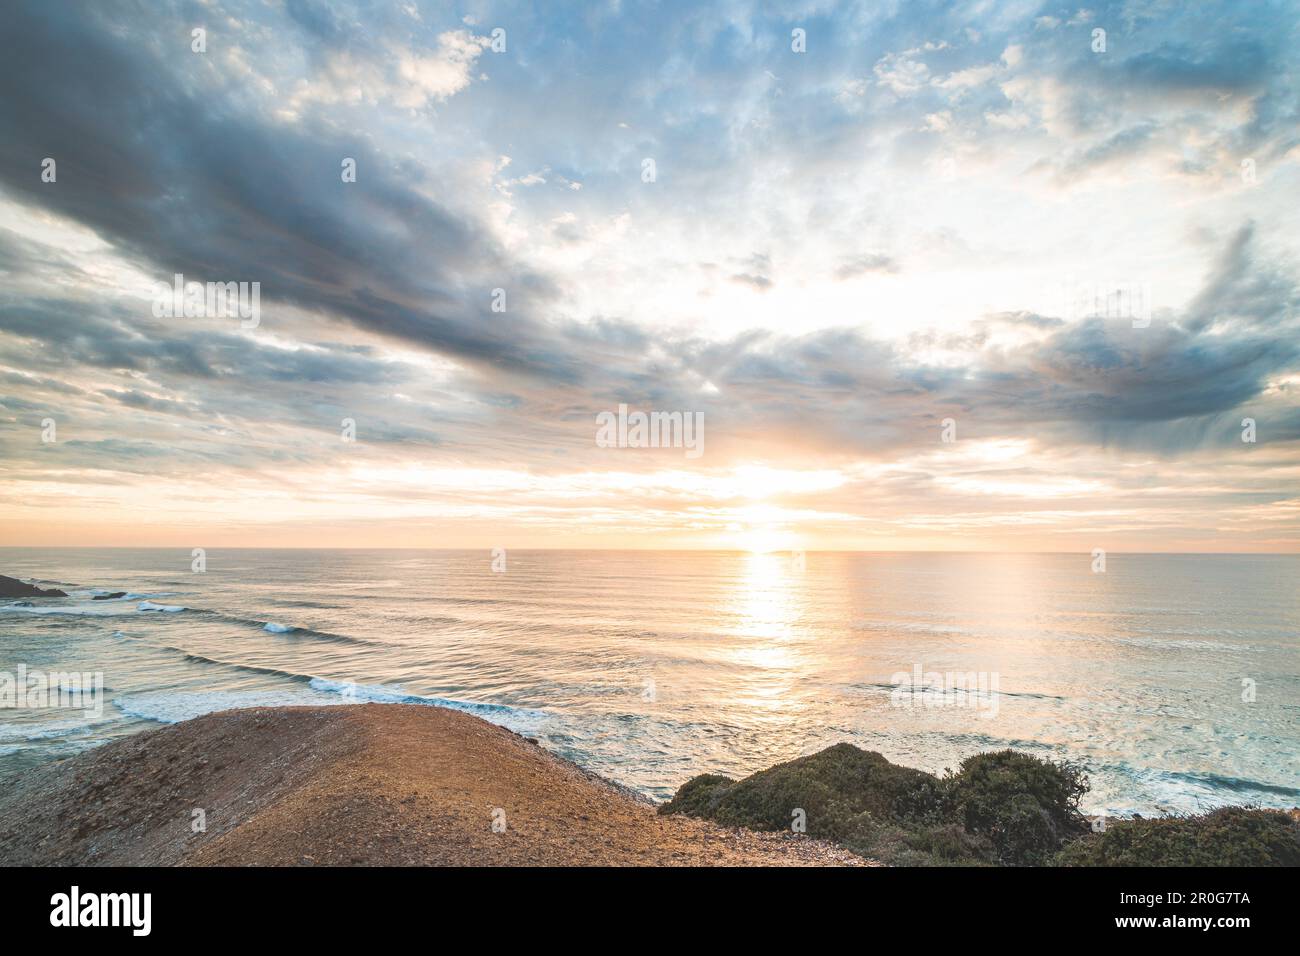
(698, 797)
(998, 808)
(852, 797)
(849, 796)
(945, 845)
(1232, 836)
(1026, 807)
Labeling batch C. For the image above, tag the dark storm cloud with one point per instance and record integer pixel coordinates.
(1244, 287)
(39, 382)
(187, 185)
(1097, 371)
(135, 399)
(15, 403)
(69, 333)
(1092, 381)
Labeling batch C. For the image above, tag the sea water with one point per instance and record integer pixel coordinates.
(1173, 680)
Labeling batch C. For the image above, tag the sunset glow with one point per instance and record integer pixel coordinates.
(834, 256)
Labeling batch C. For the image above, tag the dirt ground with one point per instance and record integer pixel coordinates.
(369, 784)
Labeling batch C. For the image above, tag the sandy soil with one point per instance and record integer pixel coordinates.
(368, 784)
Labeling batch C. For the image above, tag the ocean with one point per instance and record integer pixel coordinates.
(1173, 680)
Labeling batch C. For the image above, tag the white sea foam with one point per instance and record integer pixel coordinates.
(383, 694)
(10, 732)
(98, 609)
(174, 706)
(167, 608)
(115, 608)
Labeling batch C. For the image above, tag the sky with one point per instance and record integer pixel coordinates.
(970, 276)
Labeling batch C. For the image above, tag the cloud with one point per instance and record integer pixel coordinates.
(218, 197)
(901, 74)
(377, 295)
(853, 266)
(395, 76)
(1117, 148)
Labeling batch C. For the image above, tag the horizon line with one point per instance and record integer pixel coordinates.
(126, 547)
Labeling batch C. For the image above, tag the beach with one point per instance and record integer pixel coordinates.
(358, 785)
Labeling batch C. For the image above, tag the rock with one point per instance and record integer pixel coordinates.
(12, 587)
(109, 597)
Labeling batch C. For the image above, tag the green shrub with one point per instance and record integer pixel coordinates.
(849, 796)
(1026, 807)
(1004, 807)
(998, 808)
(945, 845)
(698, 797)
(846, 794)
(1232, 836)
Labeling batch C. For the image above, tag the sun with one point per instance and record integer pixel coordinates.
(761, 528)
(760, 532)
(762, 540)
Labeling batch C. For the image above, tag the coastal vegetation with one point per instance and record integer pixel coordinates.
(997, 809)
